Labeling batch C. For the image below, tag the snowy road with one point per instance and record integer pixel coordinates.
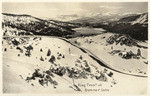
(101, 62)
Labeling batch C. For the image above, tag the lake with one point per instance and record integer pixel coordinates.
(86, 31)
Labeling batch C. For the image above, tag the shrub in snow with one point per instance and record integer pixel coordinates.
(58, 58)
(110, 74)
(41, 58)
(52, 59)
(49, 72)
(55, 83)
(28, 53)
(139, 52)
(102, 77)
(87, 69)
(5, 49)
(29, 47)
(15, 42)
(43, 77)
(63, 56)
(18, 48)
(80, 57)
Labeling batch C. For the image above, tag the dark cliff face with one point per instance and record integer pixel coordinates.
(134, 26)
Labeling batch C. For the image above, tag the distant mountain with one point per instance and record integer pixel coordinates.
(64, 24)
(67, 17)
(99, 19)
(13, 24)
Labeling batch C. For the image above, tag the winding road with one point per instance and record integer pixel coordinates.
(98, 60)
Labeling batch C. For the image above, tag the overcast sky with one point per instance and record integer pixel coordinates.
(51, 9)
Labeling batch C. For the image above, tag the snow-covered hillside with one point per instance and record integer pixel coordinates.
(33, 25)
(143, 19)
(22, 56)
(137, 19)
(119, 51)
(51, 65)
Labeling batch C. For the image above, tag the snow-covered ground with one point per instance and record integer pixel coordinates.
(17, 67)
(99, 47)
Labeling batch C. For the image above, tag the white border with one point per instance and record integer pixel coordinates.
(1, 84)
(74, 0)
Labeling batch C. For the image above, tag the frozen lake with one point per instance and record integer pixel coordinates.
(86, 31)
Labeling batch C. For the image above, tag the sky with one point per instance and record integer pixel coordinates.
(52, 9)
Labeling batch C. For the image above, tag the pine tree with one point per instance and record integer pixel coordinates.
(49, 52)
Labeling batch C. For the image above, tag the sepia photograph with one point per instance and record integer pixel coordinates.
(75, 47)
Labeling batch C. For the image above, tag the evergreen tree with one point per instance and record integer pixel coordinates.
(52, 59)
(49, 52)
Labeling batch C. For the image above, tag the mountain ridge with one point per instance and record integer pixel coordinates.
(34, 25)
